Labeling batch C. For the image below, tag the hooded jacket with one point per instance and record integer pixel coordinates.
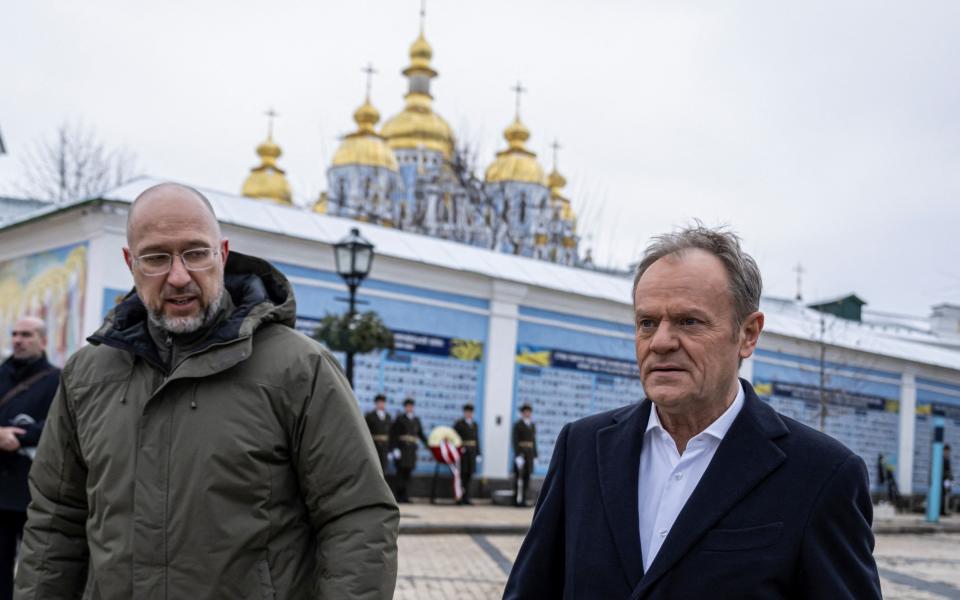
(243, 472)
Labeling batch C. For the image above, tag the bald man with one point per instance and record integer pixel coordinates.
(27, 385)
(201, 447)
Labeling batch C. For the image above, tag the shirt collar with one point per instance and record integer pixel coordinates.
(718, 429)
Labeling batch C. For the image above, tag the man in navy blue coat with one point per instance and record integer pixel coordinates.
(701, 490)
(27, 386)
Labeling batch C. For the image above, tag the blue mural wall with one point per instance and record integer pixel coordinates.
(935, 398)
(862, 404)
(440, 341)
(566, 374)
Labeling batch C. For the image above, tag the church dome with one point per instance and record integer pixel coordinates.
(516, 163)
(365, 146)
(417, 126)
(268, 181)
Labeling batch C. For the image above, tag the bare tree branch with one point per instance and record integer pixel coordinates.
(73, 165)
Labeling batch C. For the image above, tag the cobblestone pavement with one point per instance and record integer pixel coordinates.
(475, 567)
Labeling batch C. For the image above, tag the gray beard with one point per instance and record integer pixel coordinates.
(182, 325)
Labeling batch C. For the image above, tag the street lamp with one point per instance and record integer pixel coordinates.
(353, 256)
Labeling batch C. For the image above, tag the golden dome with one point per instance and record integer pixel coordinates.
(555, 181)
(516, 163)
(417, 126)
(268, 181)
(320, 206)
(420, 54)
(365, 146)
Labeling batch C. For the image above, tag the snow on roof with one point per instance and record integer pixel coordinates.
(783, 317)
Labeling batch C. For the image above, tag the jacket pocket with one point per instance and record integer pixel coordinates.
(726, 540)
(267, 592)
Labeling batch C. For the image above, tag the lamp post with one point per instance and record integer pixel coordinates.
(353, 256)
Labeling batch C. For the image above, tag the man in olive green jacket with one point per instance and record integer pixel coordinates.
(201, 448)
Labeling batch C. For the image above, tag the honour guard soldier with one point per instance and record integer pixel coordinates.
(524, 452)
(378, 422)
(467, 429)
(405, 432)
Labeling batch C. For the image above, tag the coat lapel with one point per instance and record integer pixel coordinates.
(744, 458)
(618, 465)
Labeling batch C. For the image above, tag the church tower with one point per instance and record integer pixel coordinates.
(516, 185)
(364, 180)
(268, 181)
(562, 240)
(423, 143)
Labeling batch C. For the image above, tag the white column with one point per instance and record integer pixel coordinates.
(908, 417)
(498, 376)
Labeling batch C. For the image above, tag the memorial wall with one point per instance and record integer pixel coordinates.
(569, 367)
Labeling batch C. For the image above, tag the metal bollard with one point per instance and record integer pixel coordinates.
(935, 496)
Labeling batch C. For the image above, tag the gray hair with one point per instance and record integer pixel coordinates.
(38, 324)
(742, 271)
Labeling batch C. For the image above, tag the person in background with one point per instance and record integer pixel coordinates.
(468, 431)
(28, 383)
(947, 481)
(378, 422)
(524, 453)
(405, 433)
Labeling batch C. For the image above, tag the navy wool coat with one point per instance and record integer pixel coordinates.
(783, 511)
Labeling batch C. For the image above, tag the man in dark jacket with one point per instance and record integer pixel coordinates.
(468, 431)
(524, 453)
(405, 433)
(201, 447)
(27, 385)
(701, 490)
(378, 422)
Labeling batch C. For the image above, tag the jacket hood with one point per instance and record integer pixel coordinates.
(260, 293)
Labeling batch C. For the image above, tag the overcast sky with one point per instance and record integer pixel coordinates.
(825, 133)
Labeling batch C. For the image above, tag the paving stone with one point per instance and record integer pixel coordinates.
(473, 567)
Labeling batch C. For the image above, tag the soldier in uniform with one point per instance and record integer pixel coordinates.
(405, 432)
(378, 422)
(524, 452)
(467, 429)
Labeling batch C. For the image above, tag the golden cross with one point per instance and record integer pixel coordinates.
(519, 89)
(271, 114)
(799, 270)
(370, 71)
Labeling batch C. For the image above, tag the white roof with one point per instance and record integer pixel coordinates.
(783, 317)
(304, 224)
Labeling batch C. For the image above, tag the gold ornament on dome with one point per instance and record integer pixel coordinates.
(417, 126)
(320, 206)
(556, 182)
(516, 163)
(365, 146)
(268, 181)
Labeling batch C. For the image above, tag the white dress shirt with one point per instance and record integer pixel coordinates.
(667, 478)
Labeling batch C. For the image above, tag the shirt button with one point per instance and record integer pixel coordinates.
(678, 476)
(663, 533)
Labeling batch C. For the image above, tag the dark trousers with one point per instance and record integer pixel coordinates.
(383, 453)
(11, 530)
(520, 496)
(403, 478)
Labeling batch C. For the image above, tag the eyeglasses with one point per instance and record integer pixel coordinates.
(196, 259)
